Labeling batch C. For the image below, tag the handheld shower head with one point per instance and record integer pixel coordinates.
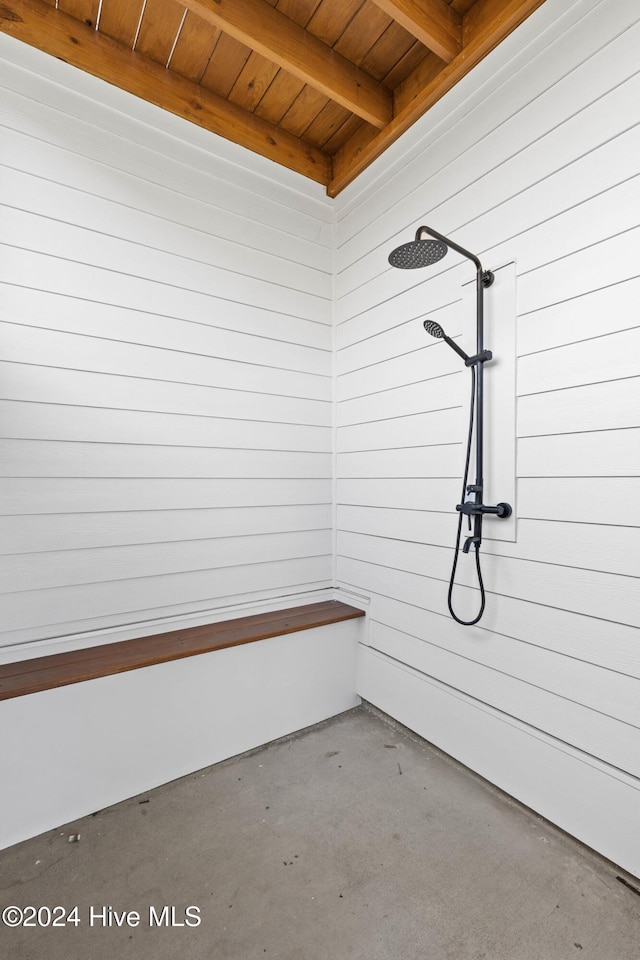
(435, 330)
(418, 253)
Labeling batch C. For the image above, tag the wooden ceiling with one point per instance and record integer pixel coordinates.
(322, 87)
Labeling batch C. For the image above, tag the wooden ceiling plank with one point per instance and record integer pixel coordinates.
(305, 107)
(119, 19)
(158, 30)
(194, 48)
(340, 137)
(299, 10)
(418, 80)
(225, 65)
(490, 21)
(432, 22)
(363, 32)
(56, 33)
(391, 48)
(406, 65)
(332, 18)
(254, 80)
(277, 38)
(279, 97)
(330, 119)
(86, 10)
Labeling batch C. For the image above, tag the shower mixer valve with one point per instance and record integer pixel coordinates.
(472, 509)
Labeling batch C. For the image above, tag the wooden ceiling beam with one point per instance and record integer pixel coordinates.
(272, 34)
(485, 25)
(56, 33)
(432, 22)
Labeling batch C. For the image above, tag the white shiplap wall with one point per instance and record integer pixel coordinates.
(532, 159)
(165, 366)
(166, 381)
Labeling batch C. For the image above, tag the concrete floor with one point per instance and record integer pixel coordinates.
(352, 839)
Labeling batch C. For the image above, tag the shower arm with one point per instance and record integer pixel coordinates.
(475, 508)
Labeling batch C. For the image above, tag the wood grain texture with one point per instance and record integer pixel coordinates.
(433, 23)
(480, 35)
(276, 37)
(44, 673)
(66, 38)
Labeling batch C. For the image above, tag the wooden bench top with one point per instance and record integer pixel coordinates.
(44, 673)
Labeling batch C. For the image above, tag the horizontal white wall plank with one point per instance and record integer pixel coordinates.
(611, 500)
(79, 387)
(126, 601)
(112, 258)
(22, 344)
(590, 544)
(612, 405)
(77, 280)
(601, 736)
(595, 313)
(398, 338)
(36, 495)
(598, 666)
(399, 523)
(64, 568)
(407, 493)
(47, 421)
(611, 596)
(52, 458)
(599, 453)
(594, 360)
(602, 262)
(57, 532)
(435, 394)
(443, 460)
(294, 236)
(396, 372)
(410, 597)
(433, 427)
(60, 205)
(177, 323)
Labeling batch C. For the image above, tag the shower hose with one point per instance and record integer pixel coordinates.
(467, 623)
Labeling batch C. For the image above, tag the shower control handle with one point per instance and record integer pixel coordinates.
(472, 509)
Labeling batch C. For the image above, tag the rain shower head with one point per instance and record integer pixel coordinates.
(418, 253)
(423, 252)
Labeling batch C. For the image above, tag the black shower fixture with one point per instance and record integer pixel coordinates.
(435, 330)
(423, 252)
